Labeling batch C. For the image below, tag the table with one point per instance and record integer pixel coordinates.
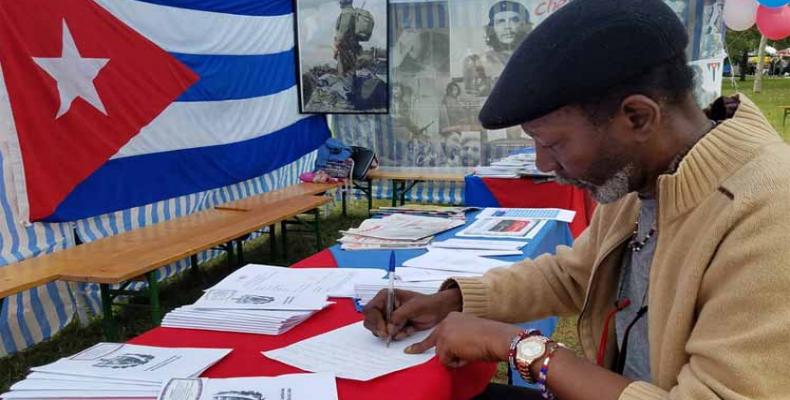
(526, 193)
(428, 381)
(404, 178)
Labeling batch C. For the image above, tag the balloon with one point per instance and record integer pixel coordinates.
(773, 3)
(739, 15)
(774, 23)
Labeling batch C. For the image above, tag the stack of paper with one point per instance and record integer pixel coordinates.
(367, 291)
(403, 227)
(354, 242)
(351, 352)
(396, 231)
(510, 228)
(267, 300)
(556, 214)
(291, 387)
(426, 210)
(114, 370)
(513, 166)
(472, 244)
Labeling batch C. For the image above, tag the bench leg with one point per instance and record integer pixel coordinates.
(394, 193)
(229, 248)
(369, 193)
(272, 240)
(317, 227)
(153, 297)
(343, 200)
(239, 252)
(194, 269)
(108, 321)
(284, 234)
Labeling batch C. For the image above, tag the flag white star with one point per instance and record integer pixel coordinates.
(74, 74)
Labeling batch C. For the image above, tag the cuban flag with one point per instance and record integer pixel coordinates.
(111, 104)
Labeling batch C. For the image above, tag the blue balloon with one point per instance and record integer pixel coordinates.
(773, 3)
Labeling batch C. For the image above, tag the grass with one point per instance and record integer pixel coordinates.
(775, 94)
(185, 290)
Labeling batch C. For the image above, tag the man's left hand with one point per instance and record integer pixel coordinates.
(462, 338)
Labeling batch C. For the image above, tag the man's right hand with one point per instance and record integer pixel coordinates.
(412, 312)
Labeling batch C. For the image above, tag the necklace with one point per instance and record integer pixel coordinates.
(636, 245)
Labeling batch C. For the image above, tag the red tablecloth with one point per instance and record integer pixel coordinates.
(427, 381)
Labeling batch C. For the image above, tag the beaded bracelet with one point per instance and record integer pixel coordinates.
(511, 355)
(543, 374)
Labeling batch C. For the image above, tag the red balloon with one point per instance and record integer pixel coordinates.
(774, 23)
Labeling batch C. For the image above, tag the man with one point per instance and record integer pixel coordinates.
(689, 242)
(508, 25)
(346, 45)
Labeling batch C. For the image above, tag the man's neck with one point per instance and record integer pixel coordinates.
(682, 134)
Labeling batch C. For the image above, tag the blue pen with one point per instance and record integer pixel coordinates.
(390, 294)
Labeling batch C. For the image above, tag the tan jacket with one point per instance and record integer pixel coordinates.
(719, 294)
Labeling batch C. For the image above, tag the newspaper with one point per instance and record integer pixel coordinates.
(403, 227)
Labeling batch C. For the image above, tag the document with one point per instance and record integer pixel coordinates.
(480, 244)
(332, 282)
(428, 275)
(351, 352)
(449, 260)
(131, 362)
(514, 228)
(556, 214)
(257, 300)
(367, 291)
(403, 227)
(284, 387)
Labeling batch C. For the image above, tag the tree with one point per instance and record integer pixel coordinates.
(740, 44)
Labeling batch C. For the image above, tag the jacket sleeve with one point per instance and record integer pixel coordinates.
(738, 346)
(533, 289)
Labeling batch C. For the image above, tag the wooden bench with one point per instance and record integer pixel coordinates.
(785, 114)
(138, 254)
(403, 179)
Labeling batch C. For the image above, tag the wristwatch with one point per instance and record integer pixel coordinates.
(528, 350)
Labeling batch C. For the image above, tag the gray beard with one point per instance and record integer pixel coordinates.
(610, 191)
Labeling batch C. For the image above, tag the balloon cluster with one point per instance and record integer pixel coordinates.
(771, 16)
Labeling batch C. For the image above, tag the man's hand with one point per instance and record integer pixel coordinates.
(413, 312)
(461, 338)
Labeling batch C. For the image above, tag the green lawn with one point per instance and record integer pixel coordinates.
(775, 93)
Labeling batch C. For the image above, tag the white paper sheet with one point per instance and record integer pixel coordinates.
(283, 387)
(258, 300)
(409, 274)
(479, 244)
(404, 227)
(82, 394)
(332, 282)
(556, 214)
(136, 362)
(448, 260)
(351, 352)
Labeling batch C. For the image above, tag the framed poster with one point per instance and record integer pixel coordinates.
(342, 62)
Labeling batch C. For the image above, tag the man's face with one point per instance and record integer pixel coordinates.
(507, 24)
(584, 155)
(470, 148)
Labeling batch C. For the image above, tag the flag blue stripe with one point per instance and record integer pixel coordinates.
(180, 172)
(238, 7)
(228, 77)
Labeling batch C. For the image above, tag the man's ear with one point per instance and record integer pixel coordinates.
(642, 115)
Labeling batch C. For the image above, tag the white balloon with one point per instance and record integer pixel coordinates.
(739, 15)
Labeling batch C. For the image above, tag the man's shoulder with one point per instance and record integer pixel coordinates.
(765, 175)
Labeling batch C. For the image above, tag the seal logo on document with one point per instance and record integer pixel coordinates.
(254, 299)
(238, 395)
(126, 360)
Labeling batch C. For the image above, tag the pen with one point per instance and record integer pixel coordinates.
(390, 294)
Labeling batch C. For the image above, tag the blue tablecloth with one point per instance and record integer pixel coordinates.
(554, 233)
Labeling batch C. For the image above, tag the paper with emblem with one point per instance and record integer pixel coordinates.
(284, 387)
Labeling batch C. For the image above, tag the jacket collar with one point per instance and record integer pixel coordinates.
(714, 158)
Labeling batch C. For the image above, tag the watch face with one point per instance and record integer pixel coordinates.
(530, 349)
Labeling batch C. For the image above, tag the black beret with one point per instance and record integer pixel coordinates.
(578, 53)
